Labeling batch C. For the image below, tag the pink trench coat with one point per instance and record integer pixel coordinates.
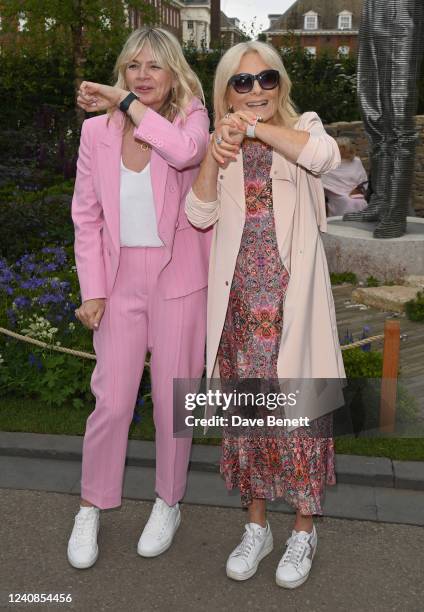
(309, 347)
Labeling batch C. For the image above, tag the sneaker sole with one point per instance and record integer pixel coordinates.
(164, 547)
(84, 565)
(251, 572)
(296, 583)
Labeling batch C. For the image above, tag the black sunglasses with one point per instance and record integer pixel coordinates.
(244, 82)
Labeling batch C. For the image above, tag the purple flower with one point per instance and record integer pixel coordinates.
(136, 417)
(21, 301)
(32, 283)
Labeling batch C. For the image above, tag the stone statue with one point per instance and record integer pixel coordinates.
(391, 42)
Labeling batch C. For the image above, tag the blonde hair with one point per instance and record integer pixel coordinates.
(287, 113)
(347, 146)
(167, 51)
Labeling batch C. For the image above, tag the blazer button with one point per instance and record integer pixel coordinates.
(177, 224)
(172, 188)
(226, 282)
(221, 176)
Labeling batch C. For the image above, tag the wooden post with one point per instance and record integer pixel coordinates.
(390, 375)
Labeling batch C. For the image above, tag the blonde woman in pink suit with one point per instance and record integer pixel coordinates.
(142, 269)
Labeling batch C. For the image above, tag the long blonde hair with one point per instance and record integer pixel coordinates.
(167, 51)
(287, 113)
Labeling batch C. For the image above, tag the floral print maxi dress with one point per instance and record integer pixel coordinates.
(294, 466)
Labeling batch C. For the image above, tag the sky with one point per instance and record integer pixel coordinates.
(246, 10)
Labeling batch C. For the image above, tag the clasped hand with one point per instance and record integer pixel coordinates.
(94, 97)
(229, 135)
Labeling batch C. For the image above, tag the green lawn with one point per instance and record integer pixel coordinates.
(33, 416)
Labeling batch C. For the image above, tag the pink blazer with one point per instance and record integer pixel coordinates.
(177, 150)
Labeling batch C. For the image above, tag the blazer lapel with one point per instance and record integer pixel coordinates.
(109, 150)
(159, 175)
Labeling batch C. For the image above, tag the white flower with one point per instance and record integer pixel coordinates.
(40, 329)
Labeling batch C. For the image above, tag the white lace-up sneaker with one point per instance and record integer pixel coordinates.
(159, 531)
(295, 565)
(256, 544)
(82, 546)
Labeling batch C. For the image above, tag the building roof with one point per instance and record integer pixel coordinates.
(229, 22)
(327, 10)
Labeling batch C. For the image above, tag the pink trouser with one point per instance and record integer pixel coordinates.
(137, 319)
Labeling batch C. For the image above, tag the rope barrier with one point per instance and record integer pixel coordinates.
(84, 355)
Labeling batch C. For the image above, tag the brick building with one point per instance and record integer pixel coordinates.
(165, 13)
(318, 25)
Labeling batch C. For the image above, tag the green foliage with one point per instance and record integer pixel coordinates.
(30, 221)
(415, 308)
(362, 364)
(363, 393)
(324, 84)
(371, 281)
(338, 278)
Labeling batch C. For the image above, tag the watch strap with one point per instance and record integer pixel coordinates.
(250, 130)
(125, 104)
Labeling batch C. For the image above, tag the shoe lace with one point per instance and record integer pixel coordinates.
(159, 511)
(244, 549)
(84, 528)
(295, 549)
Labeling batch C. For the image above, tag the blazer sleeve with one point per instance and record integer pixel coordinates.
(182, 145)
(87, 215)
(201, 214)
(321, 152)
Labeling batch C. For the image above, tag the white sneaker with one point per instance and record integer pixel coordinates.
(82, 546)
(295, 565)
(256, 543)
(159, 531)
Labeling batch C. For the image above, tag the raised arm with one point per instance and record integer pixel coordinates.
(311, 147)
(87, 215)
(203, 201)
(183, 145)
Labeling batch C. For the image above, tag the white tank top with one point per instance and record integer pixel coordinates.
(138, 224)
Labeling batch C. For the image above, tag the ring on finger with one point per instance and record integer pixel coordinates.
(218, 140)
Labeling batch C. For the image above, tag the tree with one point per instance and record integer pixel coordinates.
(73, 28)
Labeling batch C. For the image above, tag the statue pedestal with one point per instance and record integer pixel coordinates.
(351, 247)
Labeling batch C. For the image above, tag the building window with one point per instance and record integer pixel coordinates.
(190, 25)
(345, 20)
(310, 21)
(311, 50)
(343, 51)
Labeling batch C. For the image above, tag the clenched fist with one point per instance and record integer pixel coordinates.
(90, 312)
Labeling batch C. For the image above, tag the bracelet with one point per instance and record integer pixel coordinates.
(250, 130)
(125, 104)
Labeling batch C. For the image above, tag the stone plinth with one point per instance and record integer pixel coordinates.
(351, 247)
(388, 298)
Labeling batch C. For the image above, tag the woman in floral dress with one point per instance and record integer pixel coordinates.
(263, 464)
